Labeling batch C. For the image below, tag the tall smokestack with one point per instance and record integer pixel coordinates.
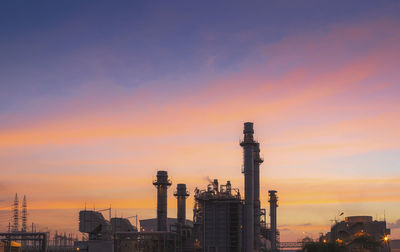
(162, 183)
(248, 152)
(257, 205)
(273, 204)
(181, 194)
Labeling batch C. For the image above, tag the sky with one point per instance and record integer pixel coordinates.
(96, 96)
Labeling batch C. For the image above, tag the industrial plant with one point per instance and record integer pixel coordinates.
(223, 220)
(356, 233)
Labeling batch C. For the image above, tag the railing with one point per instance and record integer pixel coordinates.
(294, 245)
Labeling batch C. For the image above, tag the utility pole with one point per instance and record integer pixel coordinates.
(136, 217)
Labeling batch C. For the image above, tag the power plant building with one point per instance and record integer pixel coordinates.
(356, 231)
(223, 221)
(218, 218)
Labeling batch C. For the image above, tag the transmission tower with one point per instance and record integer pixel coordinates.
(24, 214)
(15, 211)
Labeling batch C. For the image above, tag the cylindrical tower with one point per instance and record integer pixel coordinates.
(181, 194)
(162, 183)
(257, 205)
(248, 165)
(273, 204)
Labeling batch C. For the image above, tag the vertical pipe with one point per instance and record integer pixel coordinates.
(248, 149)
(228, 187)
(257, 209)
(181, 194)
(273, 204)
(161, 208)
(162, 183)
(215, 184)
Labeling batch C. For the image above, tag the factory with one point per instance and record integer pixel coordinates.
(223, 220)
(356, 233)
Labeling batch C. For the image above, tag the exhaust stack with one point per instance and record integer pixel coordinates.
(257, 205)
(162, 183)
(248, 145)
(273, 204)
(181, 194)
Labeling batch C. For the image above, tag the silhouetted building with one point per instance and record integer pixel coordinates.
(218, 218)
(360, 232)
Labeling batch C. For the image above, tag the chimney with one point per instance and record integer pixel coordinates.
(162, 183)
(248, 145)
(181, 194)
(273, 204)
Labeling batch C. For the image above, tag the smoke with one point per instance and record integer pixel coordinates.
(208, 179)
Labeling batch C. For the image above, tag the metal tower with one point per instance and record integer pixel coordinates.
(15, 214)
(24, 215)
(248, 145)
(162, 183)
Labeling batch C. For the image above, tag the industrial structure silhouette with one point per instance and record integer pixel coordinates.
(223, 221)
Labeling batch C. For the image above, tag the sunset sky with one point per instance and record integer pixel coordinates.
(96, 96)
